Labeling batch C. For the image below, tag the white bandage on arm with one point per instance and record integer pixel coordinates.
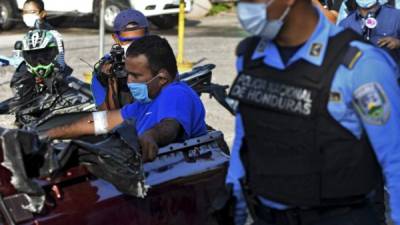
(100, 122)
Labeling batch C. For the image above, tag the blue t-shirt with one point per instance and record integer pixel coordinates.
(98, 91)
(176, 101)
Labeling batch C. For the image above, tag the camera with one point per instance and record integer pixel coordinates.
(117, 61)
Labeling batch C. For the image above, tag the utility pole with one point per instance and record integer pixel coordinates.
(102, 28)
(183, 66)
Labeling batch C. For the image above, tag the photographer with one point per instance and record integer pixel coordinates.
(109, 81)
(379, 24)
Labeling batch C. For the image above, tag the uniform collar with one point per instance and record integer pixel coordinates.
(312, 51)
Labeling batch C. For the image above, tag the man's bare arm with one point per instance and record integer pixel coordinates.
(84, 126)
(165, 132)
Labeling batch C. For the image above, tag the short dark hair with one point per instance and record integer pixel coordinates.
(39, 4)
(158, 52)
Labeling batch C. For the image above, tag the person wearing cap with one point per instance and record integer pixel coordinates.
(378, 23)
(348, 6)
(165, 110)
(110, 92)
(317, 120)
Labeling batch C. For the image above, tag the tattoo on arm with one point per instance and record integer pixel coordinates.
(165, 132)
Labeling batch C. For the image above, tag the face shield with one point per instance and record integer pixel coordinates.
(41, 62)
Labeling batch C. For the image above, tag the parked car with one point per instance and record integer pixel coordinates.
(182, 185)
(162, 13)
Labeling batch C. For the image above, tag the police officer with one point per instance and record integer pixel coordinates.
(108, 91)
(318, 117)
(348, 6)
(378, 23)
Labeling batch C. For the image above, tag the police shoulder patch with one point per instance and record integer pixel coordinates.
(371, 102)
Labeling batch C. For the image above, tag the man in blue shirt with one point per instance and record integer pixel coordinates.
(378, 23)
(318, 111)
(109, 90)
(165, 110)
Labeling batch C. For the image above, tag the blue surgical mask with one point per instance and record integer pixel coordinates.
(253, 18)
(365, 4)
(140, 91)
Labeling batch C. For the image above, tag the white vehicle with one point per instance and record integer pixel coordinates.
(162, 13)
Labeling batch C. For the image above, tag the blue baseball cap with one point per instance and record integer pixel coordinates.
(128, 16)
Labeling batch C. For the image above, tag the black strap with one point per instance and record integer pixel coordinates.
(351, 57)
(339, 52)
(298, 216)
(340, 45)
(249, 46)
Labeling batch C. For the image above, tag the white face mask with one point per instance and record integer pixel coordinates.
(30, 19)
(253, 18)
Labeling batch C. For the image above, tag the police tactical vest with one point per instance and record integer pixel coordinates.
(293, 151)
